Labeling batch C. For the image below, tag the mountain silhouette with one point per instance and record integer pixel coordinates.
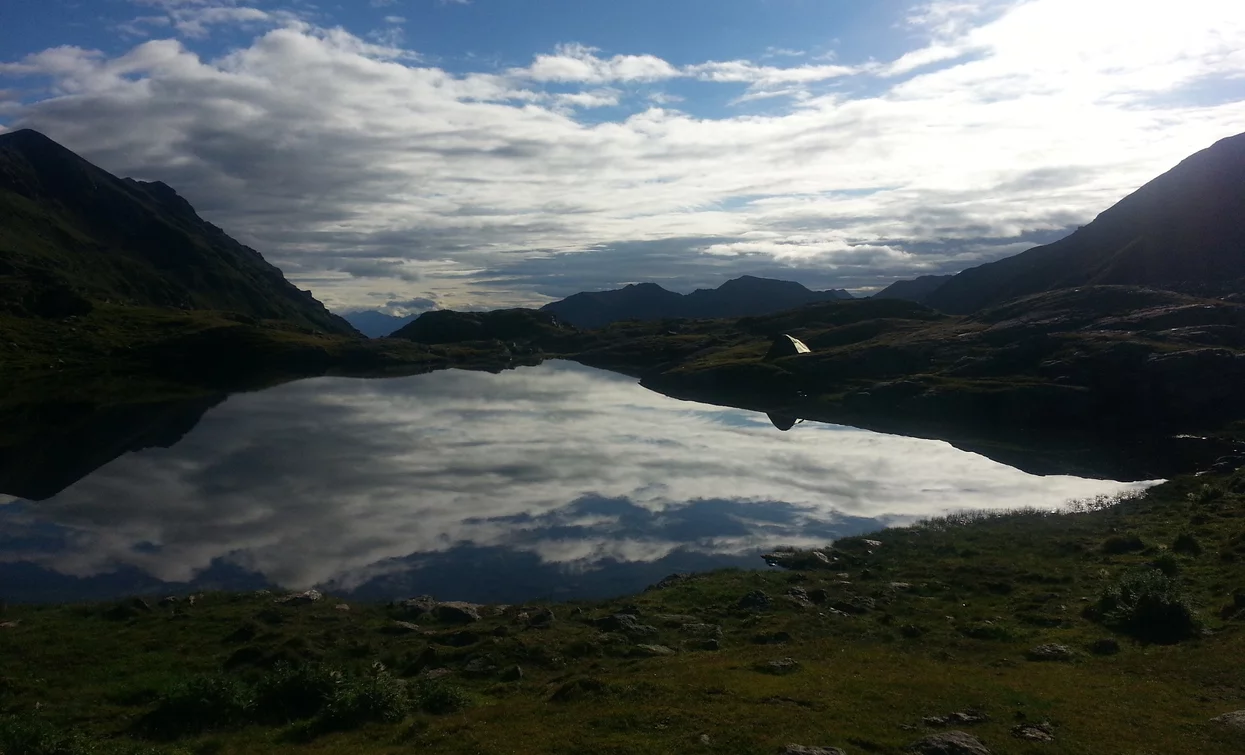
(742, 297)
(74, 236)
(917, 289)
(375, 324)
(1183, 231)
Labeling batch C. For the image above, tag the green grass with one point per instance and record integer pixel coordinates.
(942, 616)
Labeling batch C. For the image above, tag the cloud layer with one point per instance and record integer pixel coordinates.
(370, 175)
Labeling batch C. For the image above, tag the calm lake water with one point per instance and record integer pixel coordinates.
(552, 481)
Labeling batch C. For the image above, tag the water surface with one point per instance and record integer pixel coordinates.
(550, 481)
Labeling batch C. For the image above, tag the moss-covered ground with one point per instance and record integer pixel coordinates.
(923, 622)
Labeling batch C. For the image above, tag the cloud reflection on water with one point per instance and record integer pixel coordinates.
(357, 484)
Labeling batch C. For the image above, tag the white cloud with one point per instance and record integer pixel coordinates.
(327, 151)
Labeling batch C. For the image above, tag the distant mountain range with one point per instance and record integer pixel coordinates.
(74, 236)
(742, 297)
(375, 324)
(1183, 231)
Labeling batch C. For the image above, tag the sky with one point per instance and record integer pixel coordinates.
(402, 155)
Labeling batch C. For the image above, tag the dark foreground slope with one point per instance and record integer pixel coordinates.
(74, 235)
(740, 297)
(1109, 629)
(1184, 231)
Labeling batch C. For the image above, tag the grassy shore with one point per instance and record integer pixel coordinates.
(864, 650)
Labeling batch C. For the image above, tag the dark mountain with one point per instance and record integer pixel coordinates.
(741, 297)
(74, 236)
(1184, 231)
(375, 324)
(917, 289)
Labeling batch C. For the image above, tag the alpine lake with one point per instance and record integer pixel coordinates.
(549, 482)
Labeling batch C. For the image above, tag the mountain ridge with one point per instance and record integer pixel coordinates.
(744, 296)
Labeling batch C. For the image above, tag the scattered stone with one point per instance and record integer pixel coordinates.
(402, 627)
(295, 599)
(822, 558)
(1034, 732)
(626, 624)
(652, 651)
(1233, 720)
(456, 612)
(901, 586)
(755, 600)
(437, 673)
(800, 597)
(512, 674)
(10, 624)
(675, 619)
(705, 740)
(702, 630)
(948, 743)
(873, 543)
(1051, 652)
(855, 606)
(482, 666)
(805, 750)
(171, 600)
(959, 718)
(710, 645)
(341, 607)
(263, 593)
(1105, 646)
(780, 667)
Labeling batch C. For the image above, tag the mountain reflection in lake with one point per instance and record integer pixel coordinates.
(550, 481)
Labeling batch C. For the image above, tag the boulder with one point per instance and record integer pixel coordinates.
(1051, 652)
(624, 623)
(652, 651)
(1233, 720)
(806, 750)
(780, 667)
(456, 612)
(1034, 732)
(401, 627)
(949, 743)
(300, 598)
(512, 674)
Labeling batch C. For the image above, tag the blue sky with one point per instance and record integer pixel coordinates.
(499, 152)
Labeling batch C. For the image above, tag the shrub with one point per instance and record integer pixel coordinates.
(1120, 544)
(1186, 544)
(1168, 564)
(201, 703)
(26, 736)
(359, 700)
(290, 692)
(437, 697)
(1148, 605)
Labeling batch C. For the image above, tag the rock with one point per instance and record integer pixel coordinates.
(512, 674)
(948, 743)
(1105, 646)
(819, 596)
(800, 597)
(1051, 652)
(625, 623)
(961, 718)
(10, 624)
(675, 619)
(806, 750)
(780, 667)
(457, 613)
(710, 644)
(1034, 732)
(459, 639)
(401, 627)
(480, 667)
(855, 606)
(171, 600)
(702, 630)
(1233, 720)
(418, 606)
(299, 599)
(755, 600)
(669, 581)
(705, 740)
(652, 651)
(821, 558)
(542, 618)
(900, 586)
(436, 673)
(341, 607)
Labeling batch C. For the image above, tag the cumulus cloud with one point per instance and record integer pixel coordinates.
(1005, 121)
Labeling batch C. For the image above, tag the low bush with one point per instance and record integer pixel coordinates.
(437, 697)
(357, 700)
(1148, 605)
(1119, 544)
(290, 692)
(1186, 544)
(201, 703)
(25, 736)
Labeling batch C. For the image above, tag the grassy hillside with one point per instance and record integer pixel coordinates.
(1110, 628)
